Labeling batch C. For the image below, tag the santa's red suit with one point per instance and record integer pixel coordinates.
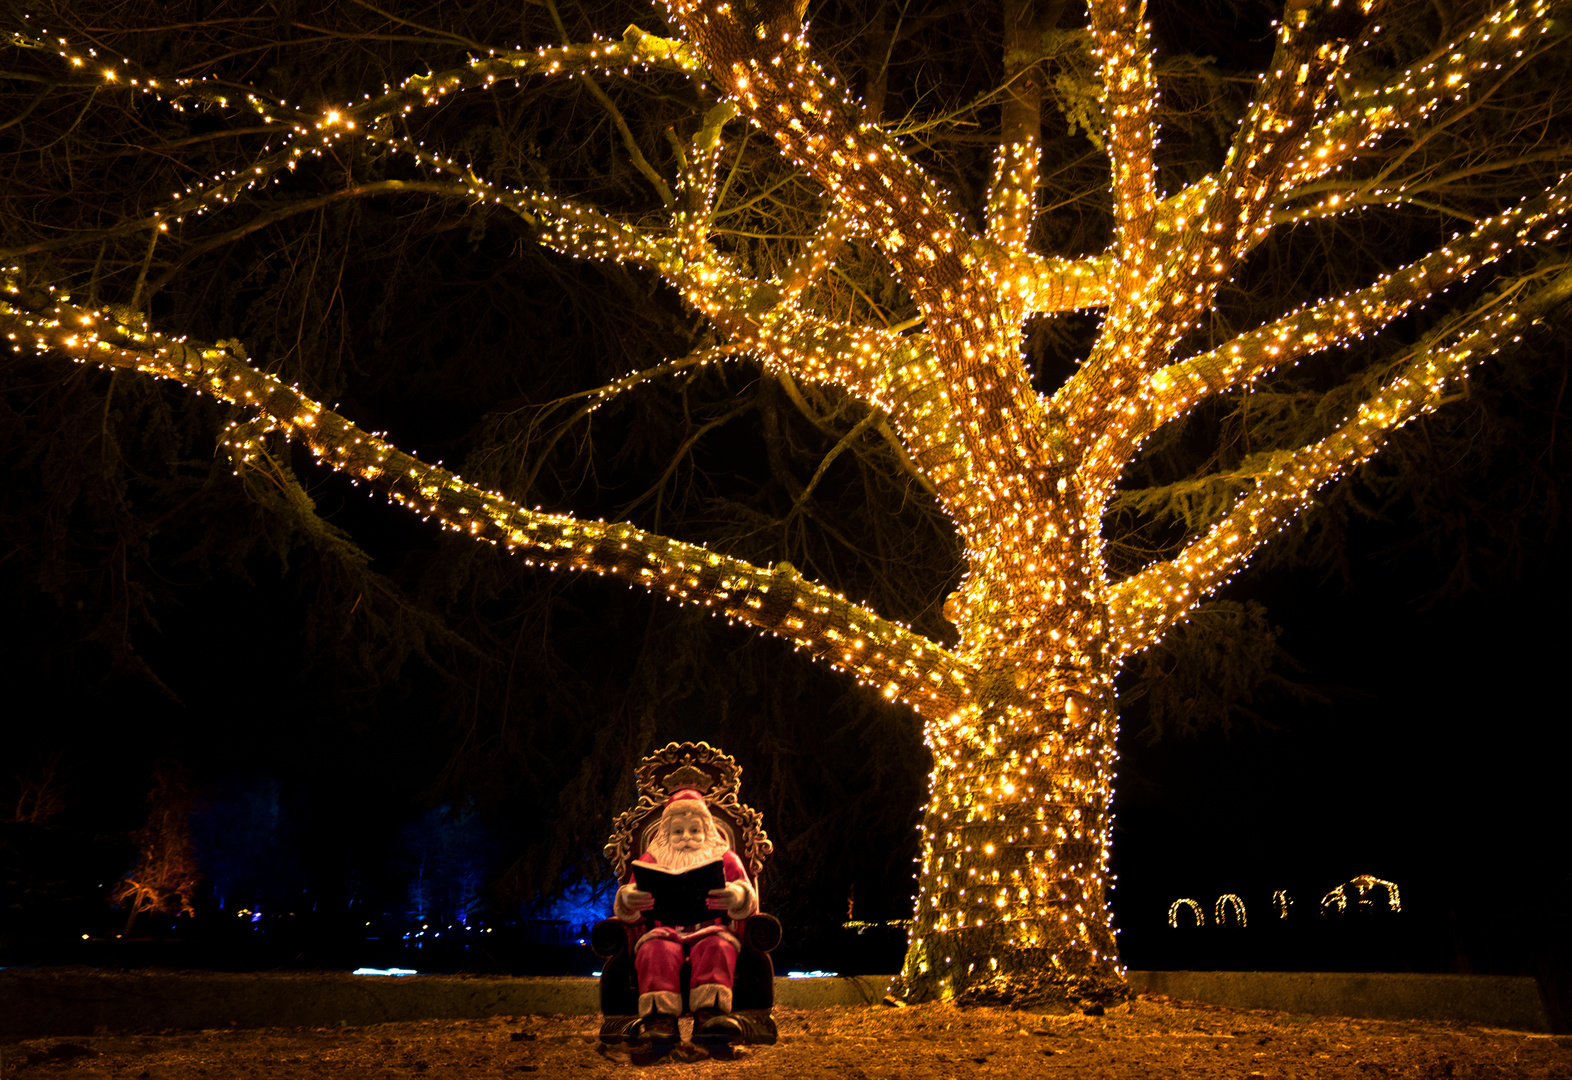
(710, 947)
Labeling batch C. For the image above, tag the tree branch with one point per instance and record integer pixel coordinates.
(1178, 388)
(1506, 34)
(1124, 58)
(629, 143)
(602, 394)
(847, 440)
(314, 131)
(277, 214)
(904, 665)
(565, 226)
(697, 181)
(1144, 606)
(760, 56)
(1017, 166)
(895, 375)
(1159, 299)
(1201, 237)
(817, 255)
(1044, 284)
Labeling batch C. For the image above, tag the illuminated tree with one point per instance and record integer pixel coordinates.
(1018, 706)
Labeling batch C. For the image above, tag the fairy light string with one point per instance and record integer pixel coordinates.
(1364, 884)
(1181, 904)
(1020, 713)
(1230, 906)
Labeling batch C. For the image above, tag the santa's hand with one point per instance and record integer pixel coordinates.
(633, 902)
(731, 896)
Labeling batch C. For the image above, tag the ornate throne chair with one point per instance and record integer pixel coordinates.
(715, 775)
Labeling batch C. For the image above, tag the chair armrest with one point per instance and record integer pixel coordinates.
(610, 937)
(762, 931)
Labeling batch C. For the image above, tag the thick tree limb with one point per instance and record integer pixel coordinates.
(1124, 56)
(902, 664)
(764, 62)
(895, 375)
(1169, 274)
(1201, 234)
(1045, 284)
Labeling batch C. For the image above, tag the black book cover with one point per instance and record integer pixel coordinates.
(680, 899)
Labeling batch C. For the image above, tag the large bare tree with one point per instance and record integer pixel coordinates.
(1065, 575)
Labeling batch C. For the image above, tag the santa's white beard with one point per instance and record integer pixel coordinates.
(678, 861)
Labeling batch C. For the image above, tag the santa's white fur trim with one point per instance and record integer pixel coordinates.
(710, 996)
(661, 1001)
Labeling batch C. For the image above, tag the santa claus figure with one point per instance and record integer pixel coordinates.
(687, 838)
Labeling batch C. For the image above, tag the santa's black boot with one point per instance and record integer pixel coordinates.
(714, 1029)
(660, 1031)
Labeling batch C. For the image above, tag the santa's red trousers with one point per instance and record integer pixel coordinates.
(659, 964)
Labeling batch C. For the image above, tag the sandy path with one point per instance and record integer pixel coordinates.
(1150, 1038)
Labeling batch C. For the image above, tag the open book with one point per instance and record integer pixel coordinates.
(680, 898)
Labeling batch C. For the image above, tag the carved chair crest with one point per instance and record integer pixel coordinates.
(713, 774)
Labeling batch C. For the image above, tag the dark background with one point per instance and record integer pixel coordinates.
(1434, 768)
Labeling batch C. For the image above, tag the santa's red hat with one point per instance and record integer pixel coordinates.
(686, 801)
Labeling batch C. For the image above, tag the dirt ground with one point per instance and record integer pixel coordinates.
(1148, 1038)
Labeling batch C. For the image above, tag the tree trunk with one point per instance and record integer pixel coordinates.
(136, 908)
(1012, 902)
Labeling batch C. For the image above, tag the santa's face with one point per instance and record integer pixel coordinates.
(686, 832)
